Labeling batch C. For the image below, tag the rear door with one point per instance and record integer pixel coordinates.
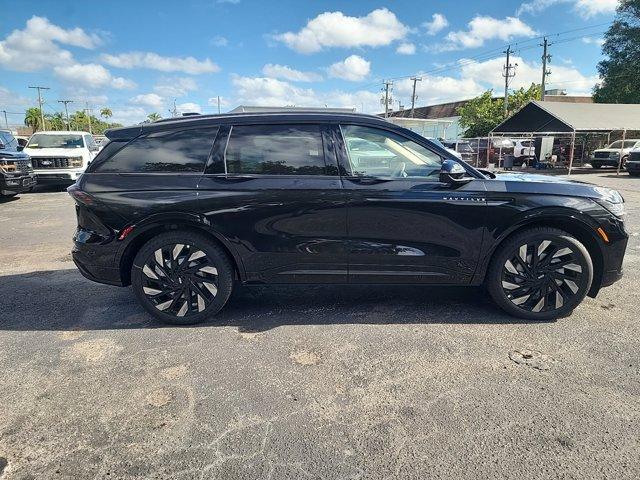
(274, 191)
(405, 226)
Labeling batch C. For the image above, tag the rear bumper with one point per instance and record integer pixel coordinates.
(17, 183)
(96, 273)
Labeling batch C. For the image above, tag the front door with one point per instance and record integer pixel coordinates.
(274, 192)
(404, 225)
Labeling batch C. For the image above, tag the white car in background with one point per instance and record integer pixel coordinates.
(610, 156)
(59, 157)
(524, 149)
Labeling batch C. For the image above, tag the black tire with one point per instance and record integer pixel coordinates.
(540, 274)
(634, 174)
(187, 282)
(596, 165)
(624, 161)
(7, 195)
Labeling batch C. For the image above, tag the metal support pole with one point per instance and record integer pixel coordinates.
(624, 137)
(573, 144)
(489, 142)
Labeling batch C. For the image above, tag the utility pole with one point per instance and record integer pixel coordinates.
(174, 112)
(413, 95)
(66, 112)
(508, 73)
(40, 103)
(386, 85)
(546, 58)
(6, 122)
(87, 112)
(218, 104)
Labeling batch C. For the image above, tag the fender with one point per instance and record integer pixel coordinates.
(174, 221)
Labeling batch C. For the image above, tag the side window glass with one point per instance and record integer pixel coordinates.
(276, 150)
(183, 151)
(380, 153)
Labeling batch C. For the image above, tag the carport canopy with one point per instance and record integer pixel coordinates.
(558, 117)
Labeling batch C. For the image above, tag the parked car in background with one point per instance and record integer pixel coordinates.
(441, 144)
(59, 157)
(499, 148)
(185, 209)
(463, 150)
(524, 150)
(101, 141)
(16, 172)
(611, 155)
(22, 141)
(633, 163)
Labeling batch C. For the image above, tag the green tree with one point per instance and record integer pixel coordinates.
(482, 114)
(32, 118)
(621, 48)
(106, 113)
(152, 117)
(56, 121)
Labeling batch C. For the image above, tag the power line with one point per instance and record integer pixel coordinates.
(508, 73)
(66, 111)
(545, 58)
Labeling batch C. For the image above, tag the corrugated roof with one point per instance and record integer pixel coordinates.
(539, 116)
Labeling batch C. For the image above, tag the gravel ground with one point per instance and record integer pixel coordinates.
(306, 382)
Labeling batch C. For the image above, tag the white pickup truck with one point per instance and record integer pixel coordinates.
(610, 156)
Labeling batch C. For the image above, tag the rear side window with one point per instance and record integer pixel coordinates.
(276, 150)
(183, 151)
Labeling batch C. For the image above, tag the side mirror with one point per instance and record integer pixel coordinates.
(2, 146)
(452, 173)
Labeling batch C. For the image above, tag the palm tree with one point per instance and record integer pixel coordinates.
(56, 121)
(32, 118)
(152, 117)
(106, 113)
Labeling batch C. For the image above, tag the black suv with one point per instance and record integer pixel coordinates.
(16, 171)
(184, 209)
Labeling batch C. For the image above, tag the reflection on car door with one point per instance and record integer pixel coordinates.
(404, 225)
(288, 222)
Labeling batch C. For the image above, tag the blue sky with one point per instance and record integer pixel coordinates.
(136, 57)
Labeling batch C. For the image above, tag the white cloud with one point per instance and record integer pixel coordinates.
(175, 87)
(152, 100)
(91, 75)
(277, 93)
(154, 61)
(353, 68)
(586, 8)
(129, 115)
(188, 107)
(37, 46)
(335, 29)
(406, 48)
(219, 41)
(287, 73)
(482, 28)
(489, 73)
(438, 22)
(593, 41)
(437, 89)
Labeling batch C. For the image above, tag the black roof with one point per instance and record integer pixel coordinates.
(193, 121)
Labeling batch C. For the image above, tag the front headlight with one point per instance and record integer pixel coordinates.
(75, 161)
(611, 200)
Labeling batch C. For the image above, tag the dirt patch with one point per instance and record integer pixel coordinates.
(172, 373)
(159, 398)
(92, 351)
(71, 335)
(532, 358)
(305, 357)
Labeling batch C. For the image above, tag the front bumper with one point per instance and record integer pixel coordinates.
(58, 176)
(17, 183)
(633, 167)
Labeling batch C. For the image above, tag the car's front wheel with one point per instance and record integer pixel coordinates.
(540, 274)
(182, 277)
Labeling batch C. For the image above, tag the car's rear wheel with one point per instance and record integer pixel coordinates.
(540, 274)
(182, 277)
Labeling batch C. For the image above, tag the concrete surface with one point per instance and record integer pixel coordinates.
(321, 382)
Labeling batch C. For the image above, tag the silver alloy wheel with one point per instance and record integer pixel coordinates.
(179, 279)
(542, 276)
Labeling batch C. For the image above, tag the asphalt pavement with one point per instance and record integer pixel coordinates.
(307, 382)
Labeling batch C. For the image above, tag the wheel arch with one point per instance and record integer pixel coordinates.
(582, 231)
(150, 229)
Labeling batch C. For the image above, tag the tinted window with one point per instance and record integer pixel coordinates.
(181, 151)
(276, 150)
(380, 153)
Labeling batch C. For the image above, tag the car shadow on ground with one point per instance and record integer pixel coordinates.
(64, 300)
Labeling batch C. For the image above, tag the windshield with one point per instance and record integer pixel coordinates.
(627, 144)
(43, 140)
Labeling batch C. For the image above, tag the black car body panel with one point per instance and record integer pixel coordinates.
(335, 227)
(16, 171)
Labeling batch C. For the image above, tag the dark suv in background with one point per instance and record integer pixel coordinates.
(16, 171)
(185, 209)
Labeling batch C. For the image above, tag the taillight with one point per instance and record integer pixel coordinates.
(80, 196)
